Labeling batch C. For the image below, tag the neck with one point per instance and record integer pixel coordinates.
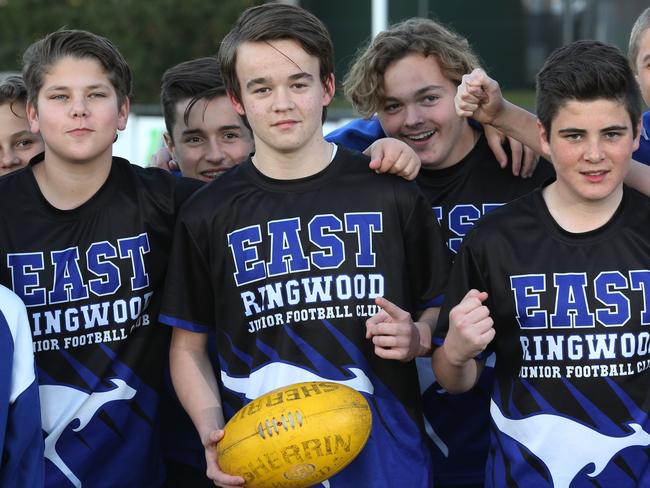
(575, 215)
(67, 185)
(291, 165)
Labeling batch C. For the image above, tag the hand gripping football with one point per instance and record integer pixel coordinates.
(295, 436)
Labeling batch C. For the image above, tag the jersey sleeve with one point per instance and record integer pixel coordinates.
(21, 437)
(465, 275)
(427, 257)
(357, 134)
(188, 298)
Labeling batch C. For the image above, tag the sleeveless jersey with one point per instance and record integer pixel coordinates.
(90, 279)
(288, 271)
(571, 392)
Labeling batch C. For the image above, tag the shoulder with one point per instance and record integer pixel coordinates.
(512, 219)
(161, 186)
(357, 134)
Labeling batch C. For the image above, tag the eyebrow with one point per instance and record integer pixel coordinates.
(191, 132)
(263, 80)
(421, 91)
(573, 130)
(64, 87)
(23, 133)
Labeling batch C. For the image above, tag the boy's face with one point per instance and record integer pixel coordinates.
(17, 143)
(419, 110)
(213, 140)
(77, 113)
(590, 143)
(642, 63)
(281, 94)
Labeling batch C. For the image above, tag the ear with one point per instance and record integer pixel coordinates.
(330, 88)
(169, 144)
(237, 105)
(123, 114)
(32, 117)
(544, 138)
(639, 129)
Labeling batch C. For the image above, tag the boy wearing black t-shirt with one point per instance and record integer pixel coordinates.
(556, 285)
(84, 242)
(287, 254)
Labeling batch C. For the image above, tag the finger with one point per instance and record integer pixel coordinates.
(398, 354)
(391, 309)
(398, 165)
(480, 327)
(412, 167)
(481, 295)
(488, 335)
(375, 164)
(390, 329)
(495, 138)
(372, 322)
(516, 150)
(530, 160)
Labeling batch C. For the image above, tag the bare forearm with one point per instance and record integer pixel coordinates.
(638, 177)
(455, 378)
(519, 124)
(426, 325)
(197, 389)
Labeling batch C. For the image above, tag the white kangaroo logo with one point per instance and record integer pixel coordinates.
(574, 445)
(276, 375)
(60, 405)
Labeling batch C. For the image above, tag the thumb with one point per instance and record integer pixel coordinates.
(481, 295)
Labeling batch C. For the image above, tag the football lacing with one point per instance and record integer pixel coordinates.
(273, 426)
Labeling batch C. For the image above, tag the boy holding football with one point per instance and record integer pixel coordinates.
(289, 253)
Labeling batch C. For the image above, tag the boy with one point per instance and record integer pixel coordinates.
(205, 136)
(287, 253)
(408, 76)
(21, 440)
(567, 320)
(85, 242)
(639, 56)
(17, 143)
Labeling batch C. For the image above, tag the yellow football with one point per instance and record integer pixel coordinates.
(295, 436)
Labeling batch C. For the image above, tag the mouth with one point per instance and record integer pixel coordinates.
(420, 137)
(80, 131)
(210, 175)
(285, 124)
(595, 176)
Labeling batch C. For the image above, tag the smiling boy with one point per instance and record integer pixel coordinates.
(555, 284)
(287, 255)
(85, 239)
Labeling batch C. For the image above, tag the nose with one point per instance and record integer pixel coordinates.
(594, 153)
(9, 159)
(282, 100)
(78, 107)
(214, 155)
(413, 116)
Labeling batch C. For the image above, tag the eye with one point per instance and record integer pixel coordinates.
(97, 95)
(193, 140)
(24, 143)
(573, 137)
(613, 134)
(59, 96)
(430, 99)
(391, 107)
(231, 136)
(262, 90)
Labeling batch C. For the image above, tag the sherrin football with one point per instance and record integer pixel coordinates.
(295, 436)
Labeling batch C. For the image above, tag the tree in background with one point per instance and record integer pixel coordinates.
(152, 35)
